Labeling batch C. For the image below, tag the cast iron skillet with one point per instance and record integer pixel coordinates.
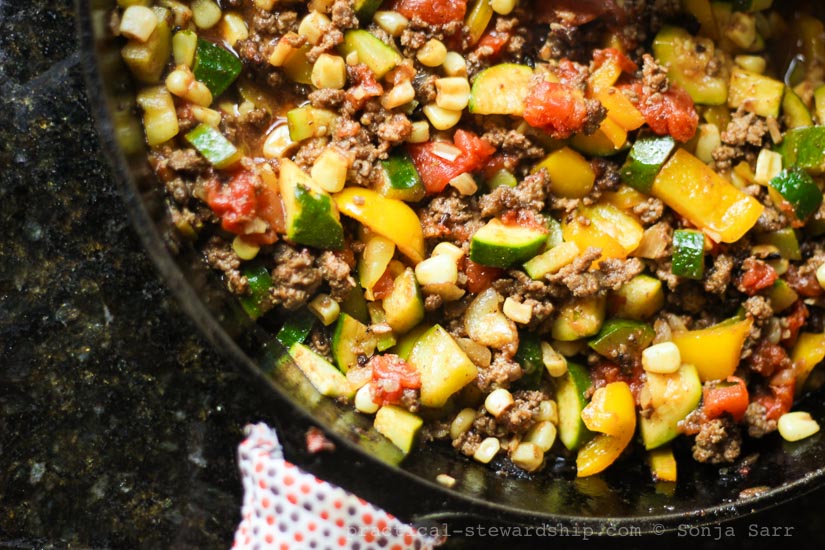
(622, 498)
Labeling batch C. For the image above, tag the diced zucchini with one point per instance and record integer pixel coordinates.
(322, 375)
(400, 179)
(646, 158)
(640, 298)
(688, 254)
(407, 342)
(529, 356)
(350, 340)
(297, 67)
(355, 305)
(622, 337)
(214, 147)
(795, 111)
(579, 318)
(259, 283)
(377, 316)
(296, 328)
(571, 175)
(146, 60)
(799, 189)
(311, 216)
(805, 148)
(552, 260)
(757, 93)
(371, 51)
(308, 121)
(501, 90)
(571, 390)
(502, 178)
(215, 66)
(443, 366)
(398, 425)
(365, 9)
(404, 307)
(688, 58)
(500, 245)
(555, 235)
(672, 398)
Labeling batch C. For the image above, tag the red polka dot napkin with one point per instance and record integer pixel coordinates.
(287, 508)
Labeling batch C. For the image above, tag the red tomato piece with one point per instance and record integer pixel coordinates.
(434, 12)
(671, 112)
(804, 284)
(556, 108)
(492, 43)
(391, 375)
(480, 277)
(236, 203)
(758, 276)
(436, 172)
(780, 400)
(795, 320)
(731, 399)
(365, 88)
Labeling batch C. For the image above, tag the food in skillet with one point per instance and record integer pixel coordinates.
(530, 229)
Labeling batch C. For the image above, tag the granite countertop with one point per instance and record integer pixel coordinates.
(118, 421)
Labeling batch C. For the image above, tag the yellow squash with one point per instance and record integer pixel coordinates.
(807, 353)
(615, 410)
(714, 351)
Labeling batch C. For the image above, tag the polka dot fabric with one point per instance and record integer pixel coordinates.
(285, 508)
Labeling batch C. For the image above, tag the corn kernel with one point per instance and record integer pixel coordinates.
(517, 311)
(325, 308)
(462, 422)
(455, 64)
(184, 44)
(314, 26)
(245, 249)
(542, 435)
(420, 132)
(181, 13)
(436, 270)
(399, 95)
(448, 249)
(741, 29)
(768, 166)
(234, 29)
(364, 402)
(330, 170)
(662, 358)
(206, 115)
(554, 362)
(329, 71)
(528, 457)
(797, 425)
(446, 480)
(182, 83)
(453, 93)
(709, 139)
(752, 63)
(465, 183)
(487, 450)
(440, 118)
(503, 7)
(391, 21)
(205, 13)
(138, 23)
(498, 402)
(432, 53)
(548, 412)
(265, 5)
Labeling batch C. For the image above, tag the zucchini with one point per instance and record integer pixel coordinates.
(259, 283)
(443, 366)
(805, 148)
(799, 189)
(757, 93)
(215, 66)
(500, 245)
(796, 113)
(688, 254)
(377, 316)
(400, 179)
(296, 329)
(622, 337)
(640, 298)
(371, 51)
(350, 340)
(554, 232)
(579, 318)
(324, 377)
(214, 147)
(398, 425)
(500, 90)
(298, 68)
(646, 158)
(407, 342)
(571, 390)
(308, 122)
(355, 305)
(365, 9)
(687, 58)
(529, 356)
(311, 216)
(672, 398)
(404, 307)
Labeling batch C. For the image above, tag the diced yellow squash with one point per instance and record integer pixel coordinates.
(442, 365)
(706, 199)
(807, 353)
(571, 175)
(662, 464)
(714, 351)
(757, 93)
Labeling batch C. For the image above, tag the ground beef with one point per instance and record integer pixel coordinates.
(719, 276)
(530, 193)
(744, 134)
(771, 219)
(718, 441)
(521, 416)
(424, 86)
(577, 277)
(502, 372)
(275, 23)
(664, 272)
(319, 342)
(596, 113)
(649, 211)
(690, 298)
(295, 277)
(757, 422)
(759, 307)
(343, 16)
(614, 272)
(329, 40)
(654, 76)
(450, 217)
(327, 98)
(432, 302)
(220, 255)
(538, 294)
(512, 143)
(467, 443)
(335, 269)
(767, 358)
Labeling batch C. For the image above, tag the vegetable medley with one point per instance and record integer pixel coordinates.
(531, 229)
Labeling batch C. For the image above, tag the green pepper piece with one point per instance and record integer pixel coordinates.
(530, 358)
(644, 161)
(799, 189)
(622, 337)
(213, 146)
(688, 253)
(259, 284)
(215, 67)
(296, 328)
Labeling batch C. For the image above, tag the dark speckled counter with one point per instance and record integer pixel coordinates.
(118, 422)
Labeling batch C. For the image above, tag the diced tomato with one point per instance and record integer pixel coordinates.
(391, 375)
(672, 112)
(480, 277)
(556, 108)
(383, 287)
(794, 322)
(434, 12)
(805, 285)
(240, 201)
(573, 12)
(492, 43)
(498, 162)
(731, 399)
(780, 400)
(365, 86)
(436, 172)
(612, 55)
(758, 276)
